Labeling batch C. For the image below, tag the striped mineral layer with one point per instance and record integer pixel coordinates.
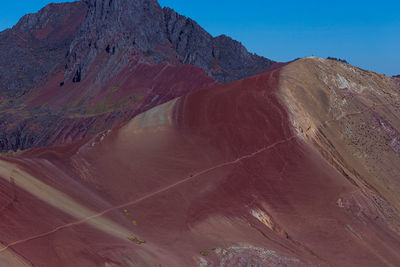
(75, 69)
(293, 167)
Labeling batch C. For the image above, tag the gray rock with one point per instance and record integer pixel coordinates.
(101, 38)
(34, 48)
(133, 27)
(124, 29)
(221, 57)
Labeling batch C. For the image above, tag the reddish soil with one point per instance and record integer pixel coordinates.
(215, 177)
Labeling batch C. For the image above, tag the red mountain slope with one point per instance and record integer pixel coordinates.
(217, 177)
(75, 69)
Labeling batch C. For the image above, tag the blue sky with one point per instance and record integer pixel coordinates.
(366, 33)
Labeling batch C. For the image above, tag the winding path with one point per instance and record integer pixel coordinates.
(162, 190)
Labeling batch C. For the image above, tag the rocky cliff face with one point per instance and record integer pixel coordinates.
(35, 47)
(115, 34)
(93, 59)
(141, 28)
(82, 31)
(221, 57)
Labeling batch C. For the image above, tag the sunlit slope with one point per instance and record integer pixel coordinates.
(352, 117)
(219, 177)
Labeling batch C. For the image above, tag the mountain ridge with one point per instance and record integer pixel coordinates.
(229, 175)
(112, 60)
(143, 140)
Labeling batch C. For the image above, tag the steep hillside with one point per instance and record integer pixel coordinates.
(36, 47)
(241, 174)
(64, 115)
(352, 117)
(75, 69)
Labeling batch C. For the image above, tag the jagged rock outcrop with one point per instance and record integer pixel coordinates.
(141, 28)
(221, 57)
(35, 47)
(95, 58)
(115, 33)
(125, 29)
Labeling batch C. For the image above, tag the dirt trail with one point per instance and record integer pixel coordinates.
(60, 200)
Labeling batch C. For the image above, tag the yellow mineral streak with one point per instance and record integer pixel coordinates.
(59, 200)
(9, 259)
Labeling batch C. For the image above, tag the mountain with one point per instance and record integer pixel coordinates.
(293, 167)
(143, 140)
(36, 46)
(351, 117)
(75, 69)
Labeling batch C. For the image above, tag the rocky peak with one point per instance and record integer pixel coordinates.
(94, 56)
(119, 28)
(36, 46)
(142, 29)
(51, 15)
(140, 19)
(232, 56)
(191, 42)
(115, 34)
(221, 57)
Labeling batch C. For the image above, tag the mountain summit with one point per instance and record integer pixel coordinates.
(293, 167)
(82, 31)
(141, 141)
(78, 68)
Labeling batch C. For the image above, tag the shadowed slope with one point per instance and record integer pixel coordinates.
(75, 69)
(218, 176)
